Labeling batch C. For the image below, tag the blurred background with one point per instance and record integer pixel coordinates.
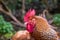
(18, 9)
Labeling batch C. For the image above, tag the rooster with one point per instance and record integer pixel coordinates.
(38, 27)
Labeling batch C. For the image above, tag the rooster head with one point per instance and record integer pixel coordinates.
(29, 20)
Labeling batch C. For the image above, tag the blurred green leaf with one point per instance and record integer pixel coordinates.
(5, 27)
(56, 19)
(8, 35)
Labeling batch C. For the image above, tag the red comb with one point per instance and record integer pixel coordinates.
(30, 12)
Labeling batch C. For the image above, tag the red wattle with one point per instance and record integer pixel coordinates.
(30, 27)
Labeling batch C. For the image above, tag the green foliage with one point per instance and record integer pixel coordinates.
(56, 19)
(8, 35)
(5, 27)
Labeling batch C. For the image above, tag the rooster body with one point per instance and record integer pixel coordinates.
(39, 27)
(42, 31)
